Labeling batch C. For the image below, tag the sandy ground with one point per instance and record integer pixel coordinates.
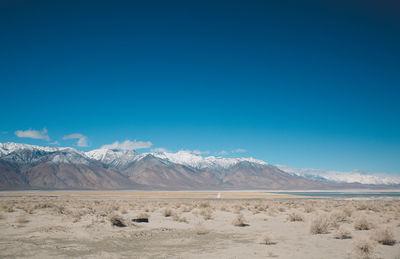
(78, 224)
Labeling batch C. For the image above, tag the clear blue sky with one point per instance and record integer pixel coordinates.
(303, 83)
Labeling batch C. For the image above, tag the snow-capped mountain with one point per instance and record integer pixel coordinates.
(341, 177)
(122, 158)
(113, 157)
(9, 147)
(187, 158)
(27, 166)
(23, 153)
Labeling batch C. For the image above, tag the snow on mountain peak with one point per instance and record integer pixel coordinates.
(342, 177)
(121, 158)
(9, 147)
(63, 155)
(187, 158)
(117, 158)
(24, 153)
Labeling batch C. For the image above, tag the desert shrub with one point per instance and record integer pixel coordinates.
(203, 205)
(259, 208)
(342, 233)
(206, 213)
(61, 210)
(237, 209)
(362, 223)
(362, 206)
(22, 219)
(327, 208)
(2, 217)
(319, 225)
(271, 211)
(267, 239)
(44, 205)
(363, 248)
(308, 209)
(385, 236)
(374, 206)
(117, 221)
(294, 216)
(271, 254)
(338, 216)
(239, 221)
(187, 208)
(167, 212)
(348, 211)
(282, 209)
(223, 208)
(28, 209)
(76, 216)
(199, 229)
(178, 218)
(9, 209)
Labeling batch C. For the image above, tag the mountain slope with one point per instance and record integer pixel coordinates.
(342, 177)
(159, 173)
(34, 167)
(64, 168)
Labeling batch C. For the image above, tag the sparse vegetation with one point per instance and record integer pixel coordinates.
(362, 223)
(22, 219)
(199, 229)
(167, 212)
(294, 216)
(343, 233)
(364, 249)
(178, 218)
(385, 236)
(319, 225)
(239, 221)
(100, 217)
(9, 209)
(206, 213)
(117, 220)
(308, 209)
(267, 239)
(237, 209)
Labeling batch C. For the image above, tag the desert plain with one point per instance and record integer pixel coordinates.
(127, 224)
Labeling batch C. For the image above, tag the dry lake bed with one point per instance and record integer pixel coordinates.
(127, 224)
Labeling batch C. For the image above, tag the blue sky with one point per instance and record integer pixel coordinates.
(302, 83)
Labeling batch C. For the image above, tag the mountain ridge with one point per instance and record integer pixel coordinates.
(24, 166)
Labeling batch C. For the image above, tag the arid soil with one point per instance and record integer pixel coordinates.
(81, 224)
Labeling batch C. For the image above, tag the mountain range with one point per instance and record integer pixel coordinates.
(24, 166)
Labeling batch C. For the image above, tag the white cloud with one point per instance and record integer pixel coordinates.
(239, 150)
(82, 139)
(34, 134)
(198, 152)
(222, 153)
(159, 150)
(55, 143)
(128, 145)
